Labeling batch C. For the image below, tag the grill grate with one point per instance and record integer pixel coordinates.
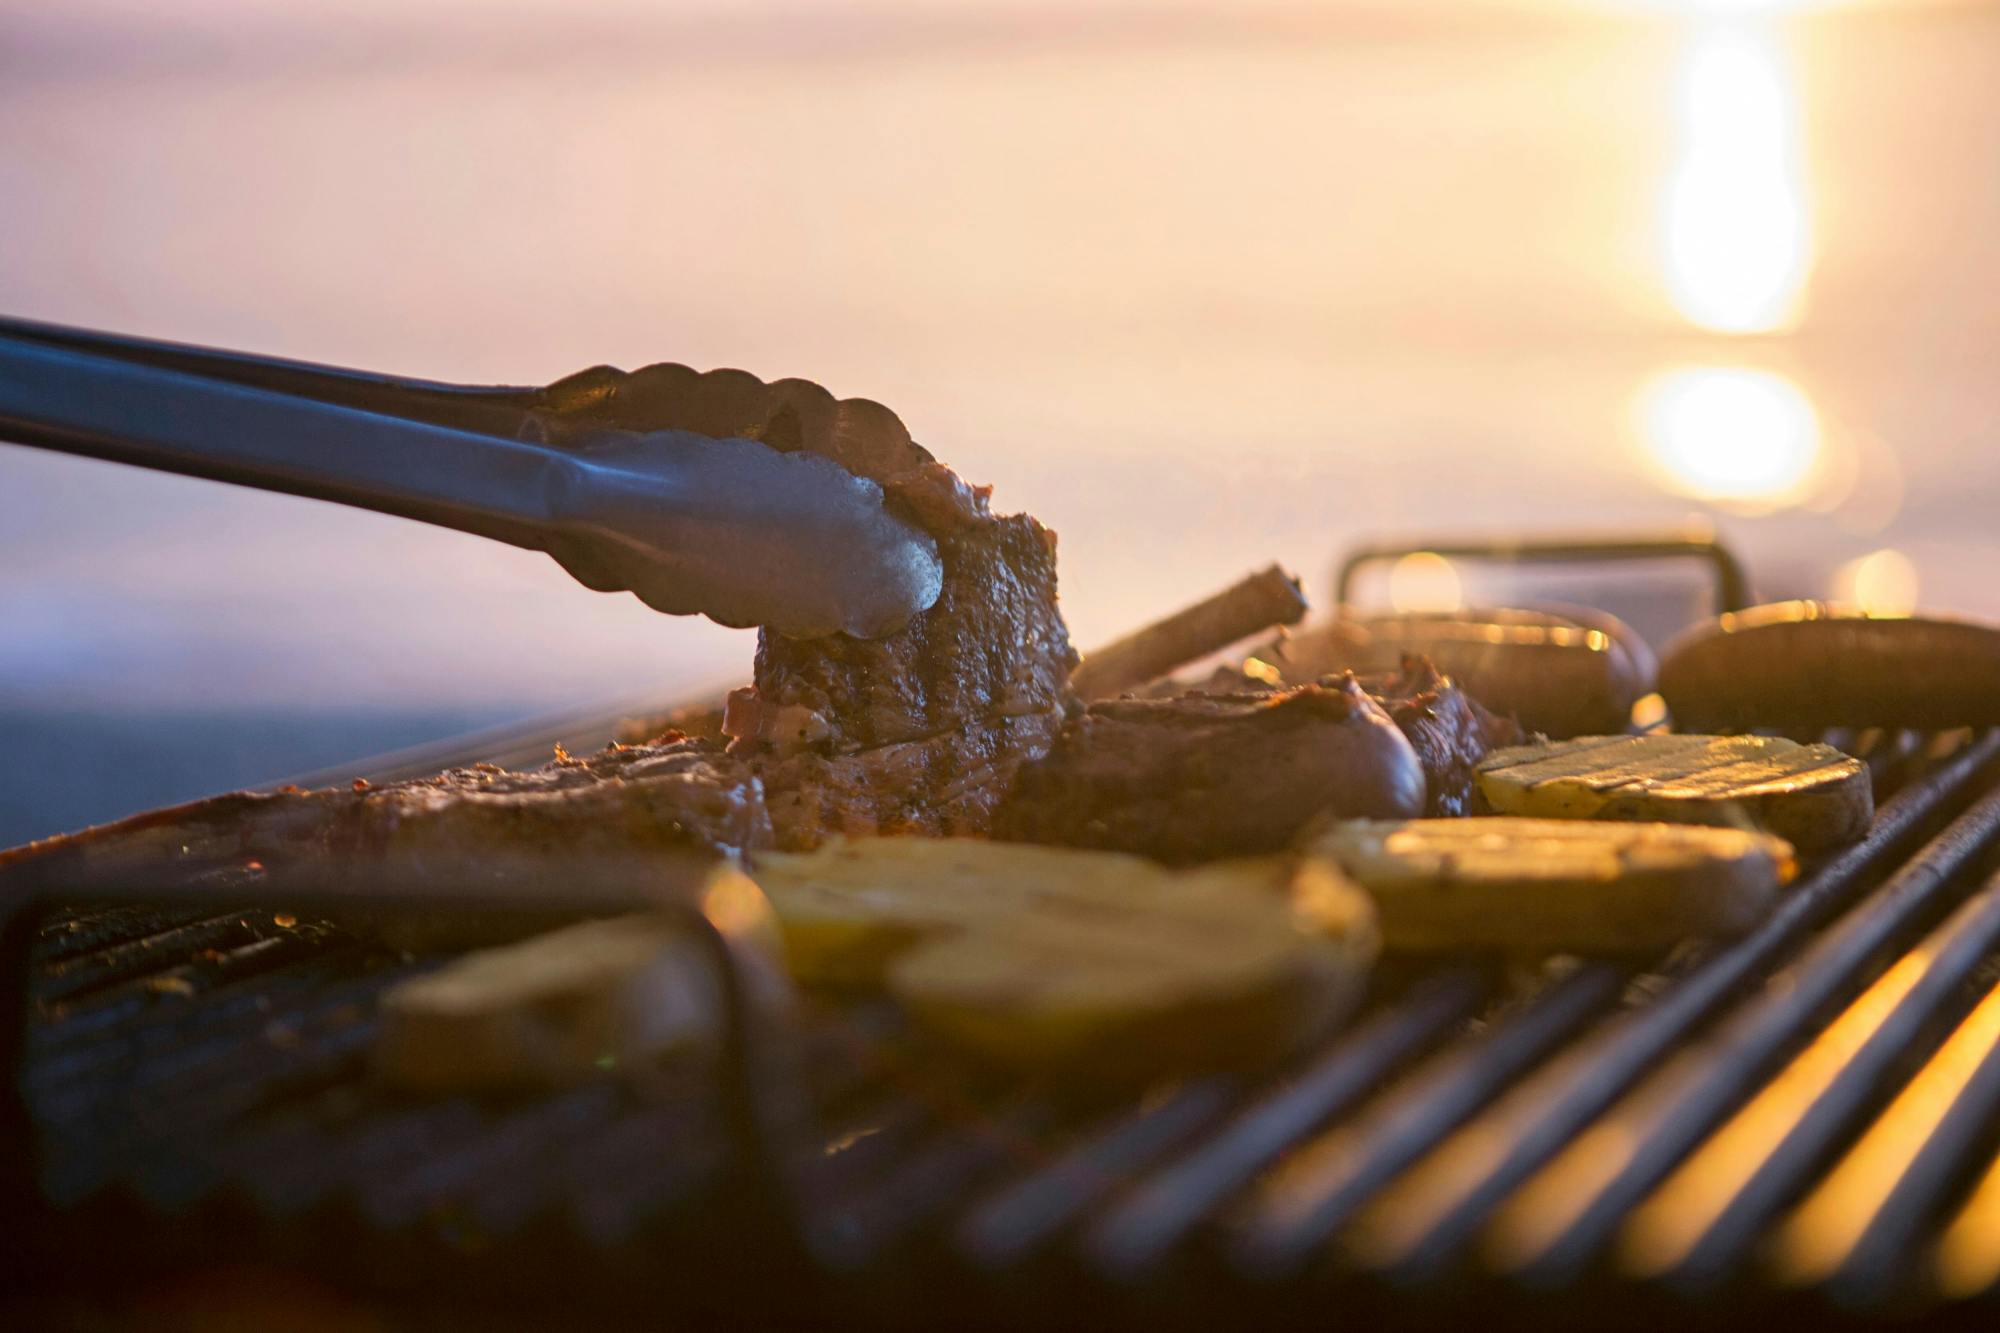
(1804, 1115)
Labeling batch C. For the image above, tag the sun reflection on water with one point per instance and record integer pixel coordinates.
(1735, 231)
(1736, 249)
(1747, 439)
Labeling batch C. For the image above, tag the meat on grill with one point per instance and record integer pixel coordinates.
(993, 646)
(1211, 775)
(625, 799)
(920, 732)
(1449, 729)
(947, 785)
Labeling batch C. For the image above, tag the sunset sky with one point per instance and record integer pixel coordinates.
(1201, 286)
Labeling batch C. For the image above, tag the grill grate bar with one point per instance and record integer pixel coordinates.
(1425, 1222)
(163, 1133)
(856, 1148)
(1026, 1214)
(1157, 1214)
(1562, 1219)
(290, 1183)
(1966, 1262)
(1856, 1232)
(1701, 1224)
(139, 959)
(398, 1200)
(94, 1136)
(174, 1086)
(641, 1168)
(1321, 1185)
(95, 929)
(852, 1234)
(118, 1057)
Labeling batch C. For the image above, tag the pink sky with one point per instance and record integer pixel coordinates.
(1200, 294)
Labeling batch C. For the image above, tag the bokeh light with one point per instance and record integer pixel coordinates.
(1425, 582)
(1882, 583)
(1746, 439)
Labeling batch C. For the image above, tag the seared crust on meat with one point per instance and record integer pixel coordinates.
(994, 646)
(1449, 729)
(921, 732)
(941, 786)
(1205, 776)
(626, 799)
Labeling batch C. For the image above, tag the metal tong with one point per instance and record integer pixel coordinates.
(744, 530)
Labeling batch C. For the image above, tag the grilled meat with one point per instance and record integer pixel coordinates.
(626, 799)
(1211, 775)
(920, 732)
(1449, 729)
(940, 786)
(993, 647)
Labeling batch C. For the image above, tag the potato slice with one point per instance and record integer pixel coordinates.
(1813, 796)
(850, 906)
(588, 998)
(1039, 956)
(1552, 885)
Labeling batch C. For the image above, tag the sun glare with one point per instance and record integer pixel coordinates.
(1748, 439)
(1733, 222)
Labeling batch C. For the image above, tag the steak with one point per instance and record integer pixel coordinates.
(1210, 775)
(625, 799)
(920, 732)
(947, 785)
(993, 647)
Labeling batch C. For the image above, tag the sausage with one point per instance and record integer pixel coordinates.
(1568, 672)
(1251, 605)
(1805, 664)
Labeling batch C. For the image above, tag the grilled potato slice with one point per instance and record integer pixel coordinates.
(1813, 796)
(1042, 956)
(848, 908)
(1553, 885)
(593, 997)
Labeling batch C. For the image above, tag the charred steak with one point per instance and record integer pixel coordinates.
(994, 646)
(626, 799)
(923, 731)
(1212, 775)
